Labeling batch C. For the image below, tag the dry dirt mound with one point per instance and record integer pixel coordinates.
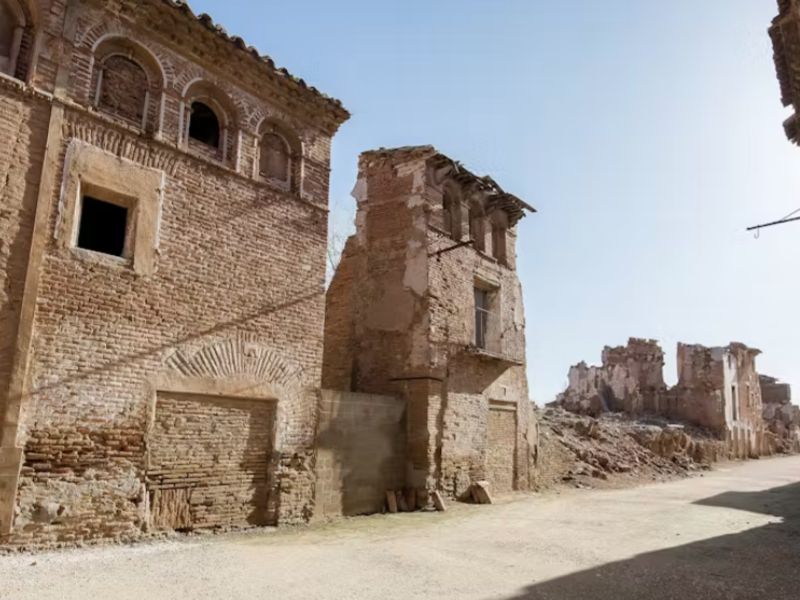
(615, 448)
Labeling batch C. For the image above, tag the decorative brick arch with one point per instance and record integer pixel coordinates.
(243, 366)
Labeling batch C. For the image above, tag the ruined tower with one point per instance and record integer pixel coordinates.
(426, 304)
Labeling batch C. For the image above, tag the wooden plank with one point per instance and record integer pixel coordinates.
(411, 499)
(401, 502)
(391, 502)
(438, 502)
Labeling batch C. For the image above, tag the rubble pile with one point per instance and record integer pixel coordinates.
(586, 451)
(781, 417)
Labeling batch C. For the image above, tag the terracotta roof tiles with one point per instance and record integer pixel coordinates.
(280, 73)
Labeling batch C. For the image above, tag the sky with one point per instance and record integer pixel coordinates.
(648, 135)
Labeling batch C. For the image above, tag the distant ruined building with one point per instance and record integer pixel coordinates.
(718, 389)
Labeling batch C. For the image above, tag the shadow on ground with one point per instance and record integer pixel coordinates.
(759, 564)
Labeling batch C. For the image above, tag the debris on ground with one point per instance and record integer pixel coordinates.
(614, 449)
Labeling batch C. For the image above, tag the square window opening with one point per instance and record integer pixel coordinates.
(103, 227)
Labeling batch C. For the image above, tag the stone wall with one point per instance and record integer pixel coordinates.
(219, 292)
(361, 448)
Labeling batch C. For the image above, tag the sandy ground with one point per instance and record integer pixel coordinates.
(732, 534)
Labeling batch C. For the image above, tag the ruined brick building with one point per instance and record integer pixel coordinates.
(718, 389)
(426, 306)
(780, 415)
(163, 230)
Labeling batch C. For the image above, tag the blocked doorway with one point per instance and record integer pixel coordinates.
(502, 446)
(209, 462)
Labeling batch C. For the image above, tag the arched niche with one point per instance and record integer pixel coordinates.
(279, 155)
(127, 81)
(18, 30)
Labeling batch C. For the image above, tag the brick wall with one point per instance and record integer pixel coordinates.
(361, 452)
(233, 304)
(214, 453)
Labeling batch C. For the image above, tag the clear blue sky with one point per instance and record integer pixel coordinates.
(648, 135)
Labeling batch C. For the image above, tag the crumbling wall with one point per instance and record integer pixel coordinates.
(630, 380)
(717, 389)
(781, 417)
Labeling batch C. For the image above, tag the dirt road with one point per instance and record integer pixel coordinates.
(733, 534)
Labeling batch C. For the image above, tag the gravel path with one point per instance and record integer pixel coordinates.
(733, 534)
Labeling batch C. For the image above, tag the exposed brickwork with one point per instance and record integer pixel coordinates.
(502, 448)
(361, 452)
(402, 316)
(219, 451)
(124, 89)
(231, 305)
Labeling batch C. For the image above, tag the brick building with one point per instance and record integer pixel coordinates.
(163, 229)
(426, 306)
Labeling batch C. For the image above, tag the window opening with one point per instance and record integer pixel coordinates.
(204, 125)
(451, 208)
(481, 317)
(103, 227)
(499, 250)
(477, 228)
(735, 400)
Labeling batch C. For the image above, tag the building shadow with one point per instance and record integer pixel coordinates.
(761, 563)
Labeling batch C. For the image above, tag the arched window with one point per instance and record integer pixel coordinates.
(451, 214)
(209, 121)
(275, 161)
(204, 125)
(128, 81)
(123, 89)
(477, 226)
(13, 25)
